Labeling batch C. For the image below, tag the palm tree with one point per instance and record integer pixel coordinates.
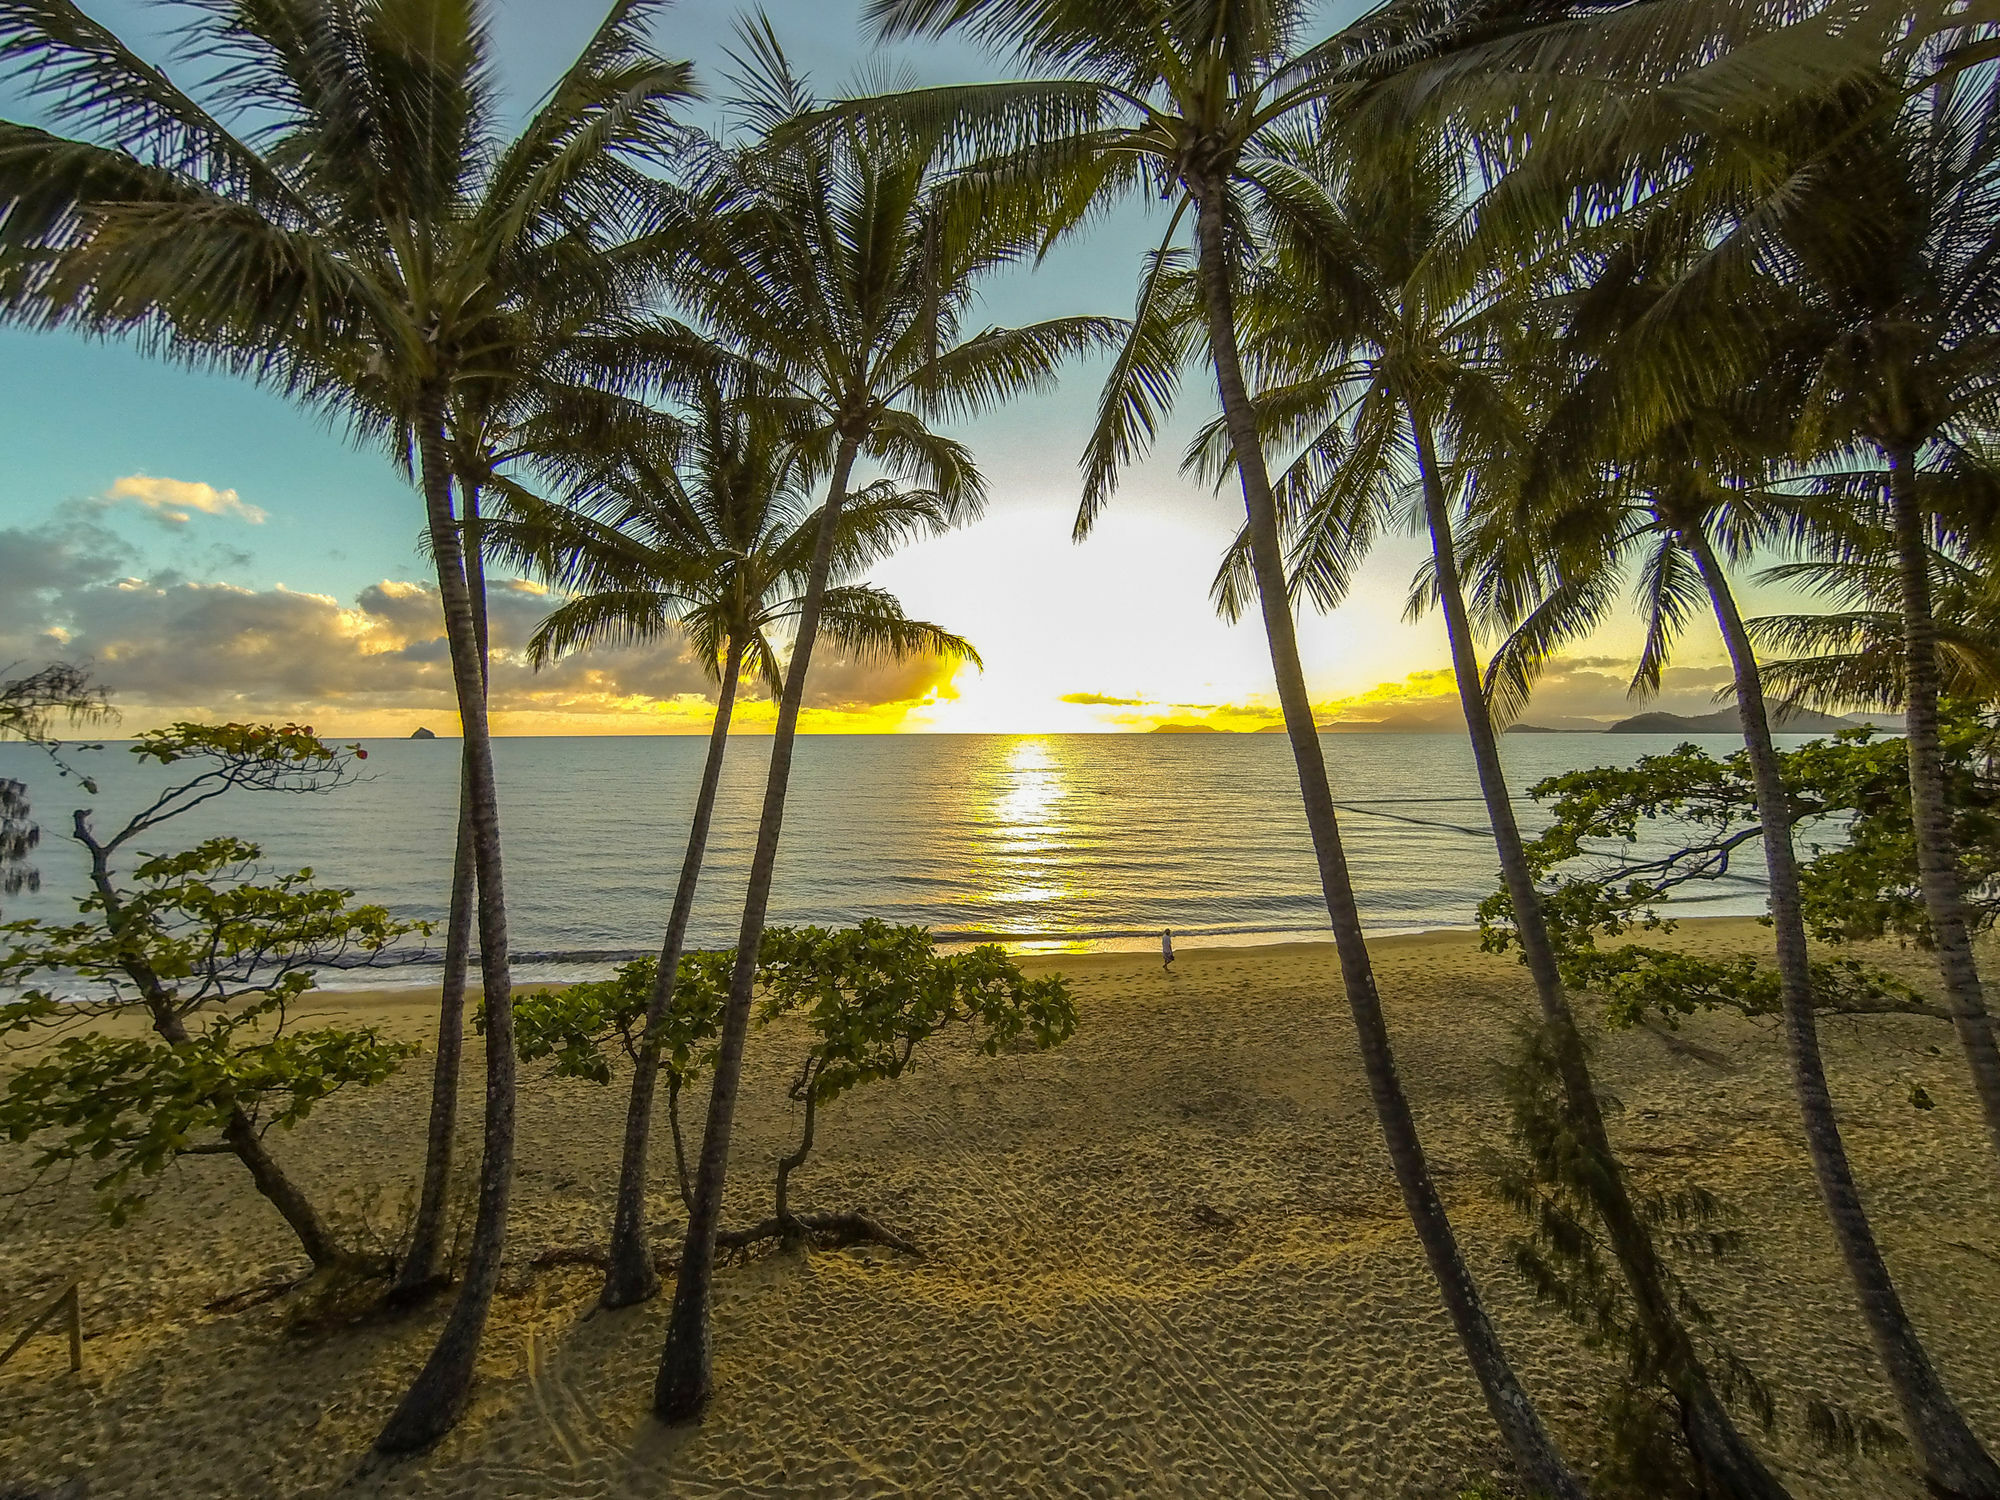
(1894, 251)
(1183, 100)
(1388, 359)
(840, 265)
(1695, 483)
(1852, 655)
(547, 406)
(715, 557)
(362, 240)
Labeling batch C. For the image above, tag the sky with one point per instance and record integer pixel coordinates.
(214, 551)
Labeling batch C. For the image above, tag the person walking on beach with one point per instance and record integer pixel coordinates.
(1167, 950)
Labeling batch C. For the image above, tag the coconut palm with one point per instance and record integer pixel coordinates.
(1389, 362)
(352, 230)
(1852, 655)
(1853, 228)
(712, 544)
(546, 406)
(1894, 250)
(840, 265)
(1181, 100)
(1693, 499)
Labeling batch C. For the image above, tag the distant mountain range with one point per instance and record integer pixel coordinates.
(1727, 721)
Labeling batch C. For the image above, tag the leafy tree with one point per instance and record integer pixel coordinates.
(839, 267)
(573, 1027)
(29, 706)
(711, 539)
(1693, 813)
(352, 230)
(212, 952)
(872, 995)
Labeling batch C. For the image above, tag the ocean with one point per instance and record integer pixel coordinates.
(1040, 842)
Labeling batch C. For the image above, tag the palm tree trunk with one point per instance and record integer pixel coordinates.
(1954, 1462)
(1937, 867)
(1541, 1466)
(437, 1397)
(630, 1276)
(422, 1269)
(686, 1376)
(1730, 1465)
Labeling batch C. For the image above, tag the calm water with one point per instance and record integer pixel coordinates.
(1041, 842)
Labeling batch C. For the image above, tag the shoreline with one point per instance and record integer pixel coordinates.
(1121, 962)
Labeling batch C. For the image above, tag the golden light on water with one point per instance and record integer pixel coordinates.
(1022, 837)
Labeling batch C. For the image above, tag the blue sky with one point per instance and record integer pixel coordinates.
(1125, 616)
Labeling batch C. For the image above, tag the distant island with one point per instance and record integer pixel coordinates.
(422, 734)
(1184, 729)
(1726, 721)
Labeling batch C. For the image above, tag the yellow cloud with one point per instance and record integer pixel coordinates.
(177, 501)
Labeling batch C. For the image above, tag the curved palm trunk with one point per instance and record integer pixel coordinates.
(437, 1396)
(1954, 1462)
(422, 1269)
(1727, 1460)
(686, 1376)
(630, 1276)
(1929, 812)
(1534, 1452)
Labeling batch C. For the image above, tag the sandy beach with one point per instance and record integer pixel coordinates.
(1167, 1258)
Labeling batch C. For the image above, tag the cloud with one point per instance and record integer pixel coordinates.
(1585, 692)
(175, 502)
(847, 684)
(169, 647)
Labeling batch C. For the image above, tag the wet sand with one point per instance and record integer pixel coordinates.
(1167, 1258)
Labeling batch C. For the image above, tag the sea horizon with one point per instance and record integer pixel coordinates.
(1073, 842)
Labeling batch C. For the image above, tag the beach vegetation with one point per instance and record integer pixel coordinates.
(871, 996)
(577, 1027)
(1625, 841)
(1588, 295)
(346, 225)
(209, 951)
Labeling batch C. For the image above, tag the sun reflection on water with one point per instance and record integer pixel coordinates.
(1024, 836)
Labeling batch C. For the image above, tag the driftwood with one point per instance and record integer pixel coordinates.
(829, 1231)
(255, 1296)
